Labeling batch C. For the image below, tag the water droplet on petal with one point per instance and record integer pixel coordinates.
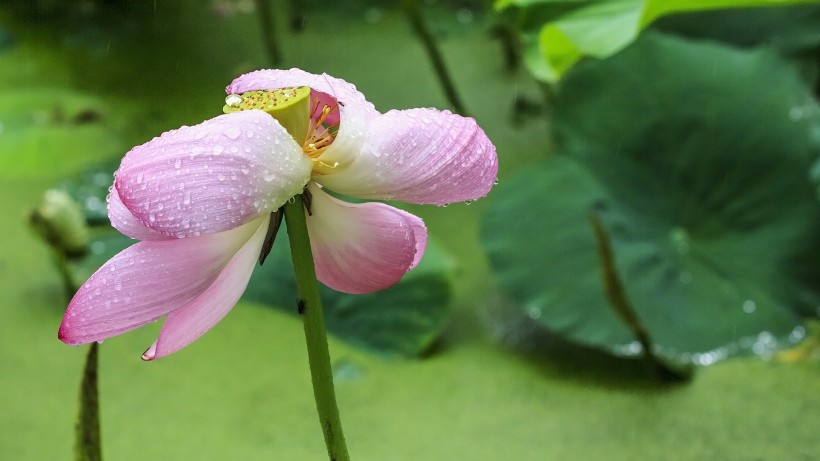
(232, 132)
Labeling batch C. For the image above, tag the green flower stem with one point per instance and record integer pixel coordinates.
(310, 307)
(87, 435)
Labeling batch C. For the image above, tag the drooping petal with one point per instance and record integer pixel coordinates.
(355, 111)
(213, 176)
(186, 324)
(147, 281)
(128, 224)
(361, 248)
(421, 156)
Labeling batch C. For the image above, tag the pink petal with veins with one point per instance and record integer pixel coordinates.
(147, 281)
(186, 324)
(214, 176)
(361, 248)
(421, 156)
(124, 221)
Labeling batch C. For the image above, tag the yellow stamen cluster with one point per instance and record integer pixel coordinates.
(319, 136)
(266, 100)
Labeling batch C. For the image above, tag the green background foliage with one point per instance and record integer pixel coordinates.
(701, 182)
(492, 383)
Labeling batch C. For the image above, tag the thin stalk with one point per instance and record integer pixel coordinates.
(411, 7)
(268, 25)
(87, 435)
(619, 301)
(309, 306)
(87, 440)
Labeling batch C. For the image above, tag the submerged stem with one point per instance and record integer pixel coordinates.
(309, 305)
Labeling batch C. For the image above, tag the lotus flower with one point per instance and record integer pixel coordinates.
(200, 199)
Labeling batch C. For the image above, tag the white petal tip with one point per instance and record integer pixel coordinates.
(150, 353)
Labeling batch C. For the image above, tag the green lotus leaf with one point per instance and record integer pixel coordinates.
(696, 162)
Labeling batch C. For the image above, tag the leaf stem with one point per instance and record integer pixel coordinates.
(268, 25)
(87, 435)
(619, 301)
(87, 439)
(309, 305)
(411, 7)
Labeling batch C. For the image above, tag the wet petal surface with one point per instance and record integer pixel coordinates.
(361, 248)
(213, 176)
(186, 324)
(421, 156)
(147, 281)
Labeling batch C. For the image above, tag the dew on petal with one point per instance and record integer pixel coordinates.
(232, 132)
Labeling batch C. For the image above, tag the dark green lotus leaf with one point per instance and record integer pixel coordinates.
(791, 29)
(48, 132)
(403, 320)
(696, 161)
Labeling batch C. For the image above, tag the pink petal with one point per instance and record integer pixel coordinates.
(128, 224)
(356, 112)
(146, 281)
(420, 156)
(213, 176)
(186, 324)
(361, 248)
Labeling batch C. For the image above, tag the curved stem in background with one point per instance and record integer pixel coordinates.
(309, 306)
(267, 24)
(411, 7)
(87, 440)
(619, 301)
(87, 435)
